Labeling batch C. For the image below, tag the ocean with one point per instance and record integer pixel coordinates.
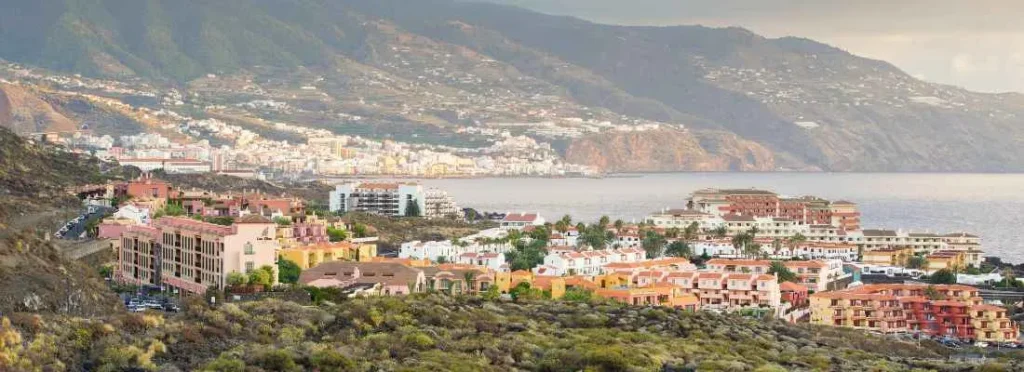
(988, 205)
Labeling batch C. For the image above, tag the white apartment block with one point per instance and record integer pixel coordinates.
(387, 199)
(587, 262)
(438, 204)
(487, 241)
(490, 260)
(681, 218)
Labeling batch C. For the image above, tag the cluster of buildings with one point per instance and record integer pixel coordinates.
(825, 230)
(206, 236)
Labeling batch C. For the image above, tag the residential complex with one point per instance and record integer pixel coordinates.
(937, 310)
(816, 275)
(808, 210)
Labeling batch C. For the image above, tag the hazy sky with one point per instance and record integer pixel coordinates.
(977, 44)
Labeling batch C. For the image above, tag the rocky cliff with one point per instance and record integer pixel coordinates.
(670, 150)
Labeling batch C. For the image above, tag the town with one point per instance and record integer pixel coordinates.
(748, 251)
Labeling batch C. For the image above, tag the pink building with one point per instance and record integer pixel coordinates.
(191, 256)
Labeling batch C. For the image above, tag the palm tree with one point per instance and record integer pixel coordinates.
(470, 278)
(603, 222)
(744, 242)
(581, 227)
(567, 219)
(721, 232)
(795, 240)
(561, 226)
(690, 232)
(672, 232)
(753, 232)
(619, 224)
(653, 244)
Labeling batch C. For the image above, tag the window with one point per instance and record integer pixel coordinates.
(248, 249)
(249, 266)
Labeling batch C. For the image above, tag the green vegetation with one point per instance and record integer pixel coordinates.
(283, 221)
(336, 234)
(678, 249)
(943, 276)
(780, 270)
(653, 243)
(917, 262)
(412, 208)
(438, 332)
(287, 271)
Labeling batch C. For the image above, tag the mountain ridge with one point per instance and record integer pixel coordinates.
(813, 105)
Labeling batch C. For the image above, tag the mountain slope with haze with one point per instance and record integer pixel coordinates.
(810, 105)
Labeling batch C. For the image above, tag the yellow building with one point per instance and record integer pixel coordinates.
(951, 260)
(612, 280)
(661, 294)
(553, 284)
(311, 255)
(888, 257)
(508, 280)
(992, 325)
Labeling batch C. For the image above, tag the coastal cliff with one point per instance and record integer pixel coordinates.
(669, 150)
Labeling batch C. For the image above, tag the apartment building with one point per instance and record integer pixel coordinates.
(662, 294)
(439, 204)
(816, 275)
(592, 262)
(487, 241)
(937, 310)
(807, 210)
(308, 256)
(387, 199)
(190, 255)
(681, 218)
(490, 260)
(887, 256)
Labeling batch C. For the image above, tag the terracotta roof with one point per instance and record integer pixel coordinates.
(792, 287)
(872, 232)
(253, 218)
(520, 217)
(987, 307)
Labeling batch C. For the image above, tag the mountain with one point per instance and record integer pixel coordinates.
(811, 106)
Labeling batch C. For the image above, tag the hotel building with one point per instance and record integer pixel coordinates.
(938, 310)
(191, 256)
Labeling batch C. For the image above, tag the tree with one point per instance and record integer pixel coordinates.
(721, 232)
(237, 279)
(522, 291)
(782, 272)
(672, 232)
(470, 278)
(743, 242)
(578, 295)
(595, 238)
(795, 240)
(916, 262)
(360, 230)
(288, 271)
(491, 294)
(654, 244)
(283, 221)
(691, 231)
(412, 208)
(261, 277)
(603, 222)
(561, 227)
(943, 276)
(678, 249)
(567, 219)
(336, 234)
(581, 227)
(619, 224)
(933, 294)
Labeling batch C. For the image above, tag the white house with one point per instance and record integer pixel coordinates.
(139, 215)
(486, 241)
(493, 261)
(587, 262)
(518, 221)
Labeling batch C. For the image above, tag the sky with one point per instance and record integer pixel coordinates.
(975, 44)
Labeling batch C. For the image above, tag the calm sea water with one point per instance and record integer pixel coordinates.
(989, 205)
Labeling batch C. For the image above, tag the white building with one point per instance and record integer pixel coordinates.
(140, 215)
(518, 221)
(587, 262)
(438, 205)
(388, 199)
(681, 218)
(491, 260)
(486, 241)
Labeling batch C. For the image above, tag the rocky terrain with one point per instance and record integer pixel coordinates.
(437, 332)
(443, 72)
(670, 150)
